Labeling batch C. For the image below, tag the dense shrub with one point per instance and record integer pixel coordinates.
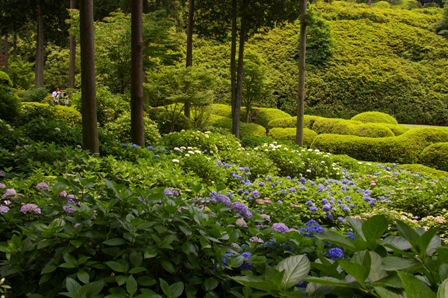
(308, 121)
(35, 95)
(375, 117)
(254, 141)
(109, 106)
(373, 130)
(435, 156)
(33, 110)
(246, 129)
(52, 131)
(335, 126)
(397, 129)
(9, 102)
(121, 129)
(424, 170)
(168, 121)
(265, 115)
(10, 137)
(222, 110)
(289, 134)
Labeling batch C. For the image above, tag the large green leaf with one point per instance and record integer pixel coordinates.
(375, 227)
(72, 285)
(177, 289)
(336, 239)
(397, 242)
(443, 289)
(414, 287)
(407, 232)
(115, 241)
(425, 240)
(397, 263)
(256, 282)
(376, 271)
(331, 281)
(357, 226)
(295, 268)
(357, 271)
(131, 285)
(388, 293)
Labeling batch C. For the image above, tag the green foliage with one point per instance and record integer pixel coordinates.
(21, 73)
(424, 170)
(266, 115)
(308, 121)
(35, 94)
(222, 110)
(9, 104)
(49, 130)
(57, 67)
(121, 129)
(289, 134)
(375, 117)
(34, 110)
(109, 106)
(435, 156)
(246, 129)
(168, 119)
(320, 44)
(5, 81)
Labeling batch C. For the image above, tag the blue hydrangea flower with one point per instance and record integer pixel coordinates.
(150, 148)
(335, 253)
(302, 180)
(134, 146)
(225, 256)
(350, 235)
(309, 203)
(326, 207)
(313, 208)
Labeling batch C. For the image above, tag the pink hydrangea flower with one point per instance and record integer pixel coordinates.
(10, 192)
(2, 185)
(42, 186)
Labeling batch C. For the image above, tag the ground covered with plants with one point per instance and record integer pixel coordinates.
(202, 214)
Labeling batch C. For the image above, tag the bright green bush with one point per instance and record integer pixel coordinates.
(246, 129)
(265, 115)
(375, 117)
(435, 156)
(222, 110)
(372, 130)
(121, 129)
(423, 169)
(33, 110)
(308, 121)
(335, 126)
(254, 141)
(289, 134)
(397, 129)
(5, 81)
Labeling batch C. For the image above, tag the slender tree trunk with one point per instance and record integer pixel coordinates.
(6, 53)
(88, 80)
(39, 64)
(72, 66)
(233, 66)
(187, 106)
(137, 122)
(301, 98)
(14, 44)
(240, 71)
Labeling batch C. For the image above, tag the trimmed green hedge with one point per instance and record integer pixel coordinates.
(405, 148)
(397, 129)
(222, 110)
(435, 156)
(375, 117)
(422, 169)
(289, 134)
(308, 121)
(246, 129)
(266, 115)
(33, 110)
(373, 130)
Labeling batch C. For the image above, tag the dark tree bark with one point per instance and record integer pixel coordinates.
(301, 95)
(187, 106)
(88, 80)
(72, 67)
(239, 82)
(39, 64)
(137, 122)
(233, 62)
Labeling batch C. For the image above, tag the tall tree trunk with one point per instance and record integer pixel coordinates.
(72, 66)
(39, 64)
(301, 98)
(189, 47)
(137, 122)
(233, 66)
(88, 80)
(239, 82)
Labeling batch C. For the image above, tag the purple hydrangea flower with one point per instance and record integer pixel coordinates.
(28, 208)
(150, 148)
(303, 180)
(2, 175)
(280, 227)
(68, 209)
(292, 189)
(256, 239)
(2, 185)
(326, 207)
(246, 265)
(42, 186)
(324, 201)
(63, 194)
(3, 209)
(313, 208)
(335, 253)
(309, 203)
(265, 217)
(134, 146)
(241, 223)
(242, 209)
(10, 192)
(171, 192)
(261, 183)
(351, 235)
(255, 193)
(220, 198)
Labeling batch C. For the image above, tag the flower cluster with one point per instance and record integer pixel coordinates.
(42, 186)
(280, 227)
(335, 253)
(242, 209)
(312, 228)
(219, 198)
(30, 208)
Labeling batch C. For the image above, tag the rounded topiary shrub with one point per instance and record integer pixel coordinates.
(246, 129)
(121, 128)
(427, 135)
(33, 110)
(266, 115)
(335, 126)
(308, 121)
(372, 130)
(289, 134)
(397, 129)
(35, 94)
(435, 156)
(422, 169)
(221, 110)
(375, 117)
(9, 105)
